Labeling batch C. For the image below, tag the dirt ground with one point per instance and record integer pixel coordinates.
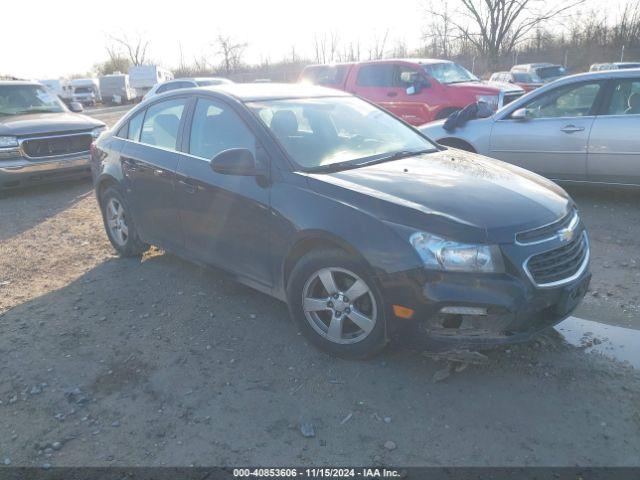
(109, 361)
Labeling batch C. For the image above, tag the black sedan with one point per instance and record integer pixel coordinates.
(351, 216)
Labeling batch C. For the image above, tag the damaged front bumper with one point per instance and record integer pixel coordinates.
(480, 310)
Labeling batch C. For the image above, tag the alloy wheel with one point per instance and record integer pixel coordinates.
(339, 305)
(116, 221)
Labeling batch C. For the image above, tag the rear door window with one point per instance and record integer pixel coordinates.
(161, 123)
(382, 75)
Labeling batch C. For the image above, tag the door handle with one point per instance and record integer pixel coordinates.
(571, 129)
(392, 94)
(187, 185)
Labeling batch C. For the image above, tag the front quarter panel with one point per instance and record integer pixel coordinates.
(300, 213)
(476, 133)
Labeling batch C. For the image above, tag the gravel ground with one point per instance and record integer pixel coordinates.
(155, 361)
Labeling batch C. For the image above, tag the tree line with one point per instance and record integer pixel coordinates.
(483, 35)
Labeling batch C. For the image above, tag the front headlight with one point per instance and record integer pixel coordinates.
(440, 254)
(8, 142)
(95, 133)
(492, 100)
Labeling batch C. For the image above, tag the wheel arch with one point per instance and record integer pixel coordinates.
(310, 240)
(459, 143)
(105, 181)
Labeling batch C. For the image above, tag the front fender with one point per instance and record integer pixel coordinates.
(300, 213)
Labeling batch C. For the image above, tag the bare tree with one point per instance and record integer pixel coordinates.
(495, 27)
(116, 62)
(135, 48)
(326, 47)
(441, 32)
(378, 45)
(231, 52)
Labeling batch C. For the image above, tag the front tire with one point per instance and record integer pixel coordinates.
(119, 225)
(337, 304)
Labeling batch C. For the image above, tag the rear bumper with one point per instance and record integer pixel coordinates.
(21, 172)
(515, 308)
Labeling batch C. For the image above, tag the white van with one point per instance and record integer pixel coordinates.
(86, 91)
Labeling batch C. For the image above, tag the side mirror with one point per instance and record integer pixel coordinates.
(76, 107)
(521, 114)
(236, 161)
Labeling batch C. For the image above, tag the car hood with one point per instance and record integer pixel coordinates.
(478, 88)
(507, 87)
(46, 123)
(459, 195)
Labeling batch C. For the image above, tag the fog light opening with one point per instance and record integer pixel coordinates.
(452, 321)
(463, 310)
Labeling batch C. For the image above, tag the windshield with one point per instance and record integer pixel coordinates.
(21, 99)
(323, 132)
(82, 90)
(550, 72)
(450, 73)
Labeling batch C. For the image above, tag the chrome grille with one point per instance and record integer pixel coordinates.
(560, 264)
(55, 146)
(548, 232)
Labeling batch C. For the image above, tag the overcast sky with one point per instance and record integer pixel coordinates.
(53, 39)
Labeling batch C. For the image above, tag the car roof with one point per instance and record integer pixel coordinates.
(19, 82)
(602, 74)
(248, 92)
(536, 65)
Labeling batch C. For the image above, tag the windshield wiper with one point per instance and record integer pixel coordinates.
(37, 110)
(395, 156)
(336, 167)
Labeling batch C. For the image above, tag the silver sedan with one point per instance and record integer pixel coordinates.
(582, 128)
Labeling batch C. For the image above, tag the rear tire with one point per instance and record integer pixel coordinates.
(318, 297)
(119, 225)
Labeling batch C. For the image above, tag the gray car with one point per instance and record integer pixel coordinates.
(40, 138)
(582, 128)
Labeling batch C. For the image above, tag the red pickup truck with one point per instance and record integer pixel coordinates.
(417, 90)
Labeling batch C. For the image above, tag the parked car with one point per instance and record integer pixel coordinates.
(144, 77)
(540, 72)
(40, 139)
(577, 129)
(522, 79)
(597, 67)
(186, 83)
(345, 212)
(86, 91)
(416, 90)
(116, 89)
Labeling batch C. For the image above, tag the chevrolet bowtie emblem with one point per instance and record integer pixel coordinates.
(565, 234)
